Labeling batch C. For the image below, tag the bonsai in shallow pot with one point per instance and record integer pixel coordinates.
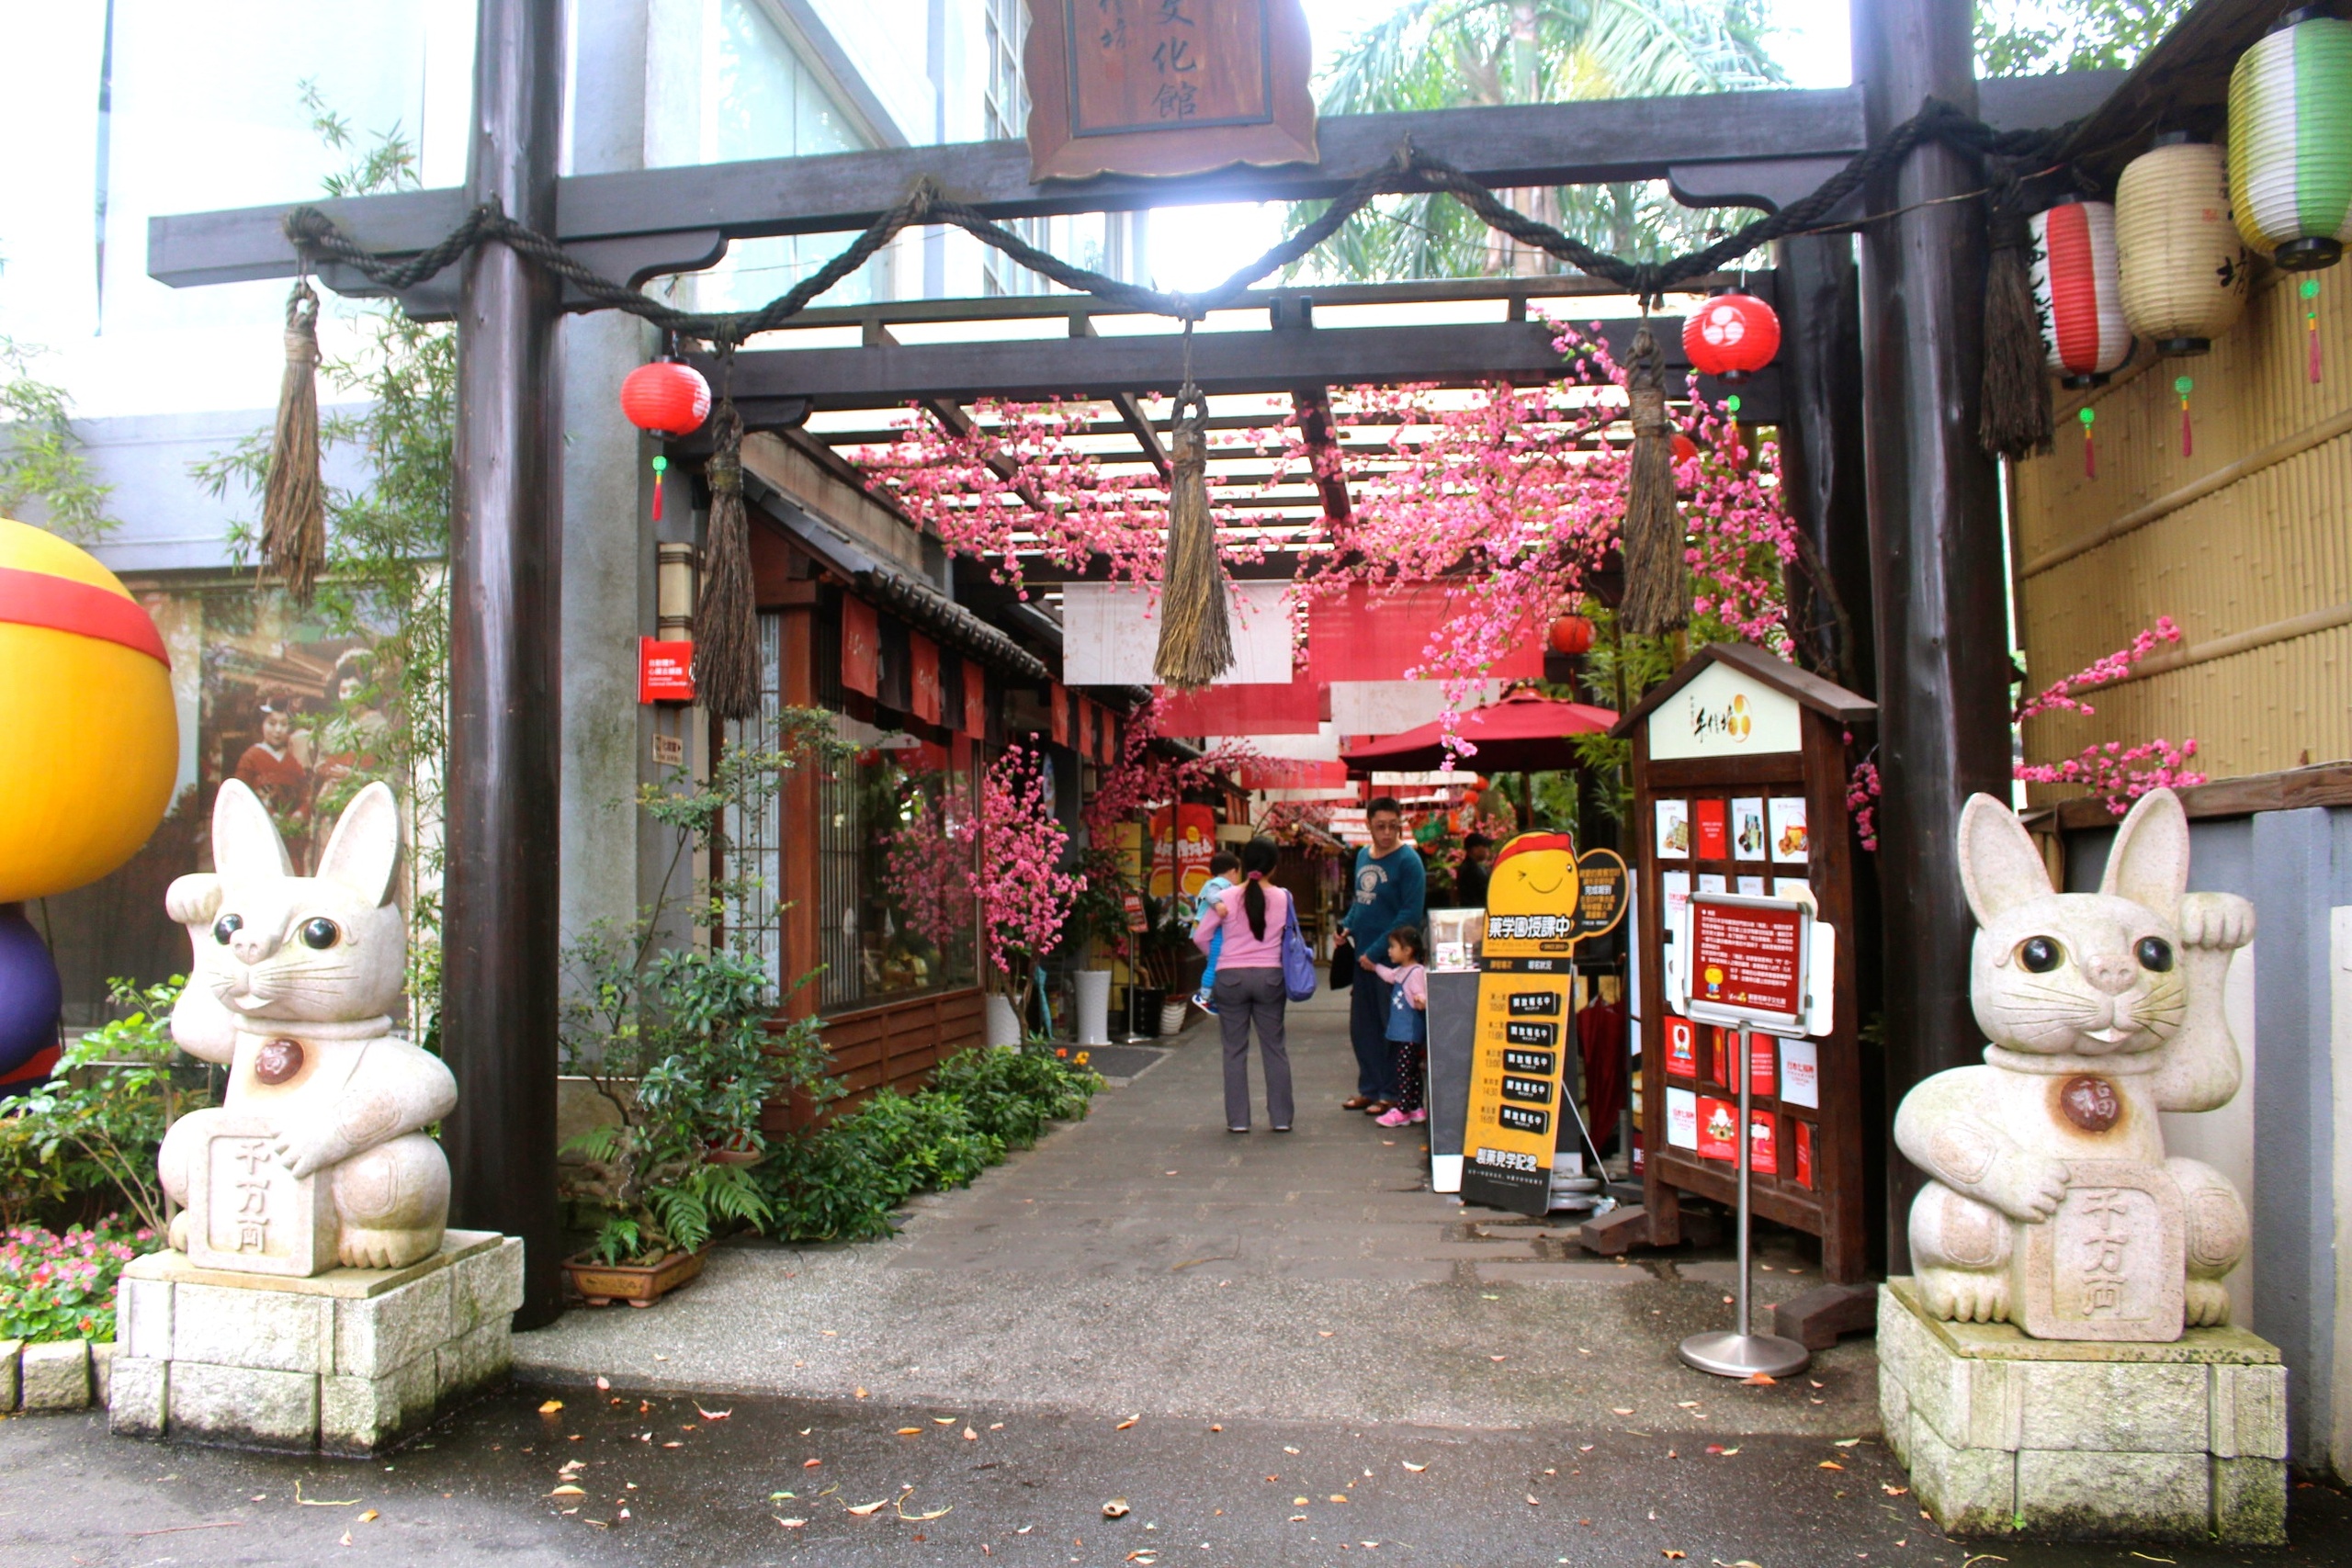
(682, 1046)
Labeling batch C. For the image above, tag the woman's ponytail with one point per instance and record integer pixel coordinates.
(1258, 858)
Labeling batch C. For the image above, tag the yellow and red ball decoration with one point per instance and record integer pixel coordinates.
(86, 703)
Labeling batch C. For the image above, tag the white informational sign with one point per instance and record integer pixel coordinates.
(1724, 713)
(1800, 1073)
(1682, 1119)
(1110, 632)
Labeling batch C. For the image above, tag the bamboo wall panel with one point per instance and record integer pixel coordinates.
(2266, 547)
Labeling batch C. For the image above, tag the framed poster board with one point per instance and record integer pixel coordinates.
(1740, 769)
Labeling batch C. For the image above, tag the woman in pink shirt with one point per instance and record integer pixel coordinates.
(1250, 985)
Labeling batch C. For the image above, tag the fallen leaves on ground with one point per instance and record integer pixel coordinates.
(1127, 1423)
(1416, 1469)
(322, 1502)
(345, 1540)
(1338, 1496)
(1670, 1552)
(811, 1463)
(1289, 1450)
(1892, 1491)
(1116, 1508)
(970, 1436)
(861, 1393)
(911, 1431)
(1619, 1410)
(789, 1524)
(552, 1406)
(1760, 1380)
(1830, 1464)
(920, 1519)
(867, 1510)
(604, 1384)
(942, 1420)
(1531, 1502)
(369, 1517)
(1847, 1442)
(568, 1490)
(712, 1415)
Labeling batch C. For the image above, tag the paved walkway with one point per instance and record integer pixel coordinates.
(1147, 1261)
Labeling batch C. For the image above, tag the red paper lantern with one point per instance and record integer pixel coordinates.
(1571, 633)
(1732, 336)
(667, 398)
(1684, 448)
(2078, 288)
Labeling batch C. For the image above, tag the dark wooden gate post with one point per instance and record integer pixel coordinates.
(1934, 542)
(1821, 451)
(500, 915)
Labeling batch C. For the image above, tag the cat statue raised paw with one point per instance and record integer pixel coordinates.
(2050, 1203)
(316, 1155)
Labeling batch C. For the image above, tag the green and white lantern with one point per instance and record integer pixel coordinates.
(2291, 140)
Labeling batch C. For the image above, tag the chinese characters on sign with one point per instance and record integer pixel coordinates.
(1747, 959)
(1110, 79)
(1139, 63)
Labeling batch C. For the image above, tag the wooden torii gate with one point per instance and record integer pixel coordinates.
(1931, 558)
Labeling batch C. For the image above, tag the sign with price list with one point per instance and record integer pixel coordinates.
(1540, 902)
(1167, 87)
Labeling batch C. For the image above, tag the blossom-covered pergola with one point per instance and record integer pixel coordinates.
(1911, 536)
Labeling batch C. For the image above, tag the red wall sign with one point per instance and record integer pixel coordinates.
(1715, 833)
(1058, 707)
(1681, 1047)
(861, 647)
(1763, 1145)
(975, 700)
(923, 669)
(1718, 1128)
(665, 670)
(1747, 958)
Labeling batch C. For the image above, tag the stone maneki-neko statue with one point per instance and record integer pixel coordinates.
(2052, 1204)
(316, 1155)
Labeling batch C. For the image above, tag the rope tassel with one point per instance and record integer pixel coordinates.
(2013, 418)
(726, 625)
(293, 505)
(1196, 636)
(1658, 578)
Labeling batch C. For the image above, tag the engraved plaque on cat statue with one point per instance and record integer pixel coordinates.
(2110, 1263)
(259, 1218)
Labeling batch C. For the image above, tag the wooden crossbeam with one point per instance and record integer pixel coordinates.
(644, 221)
(1268, 362)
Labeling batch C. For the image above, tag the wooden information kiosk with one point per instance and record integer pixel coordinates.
(1740, 772)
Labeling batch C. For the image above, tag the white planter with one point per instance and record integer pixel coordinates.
(1172, 1016)
(1004, 1025)
(1094, 1007)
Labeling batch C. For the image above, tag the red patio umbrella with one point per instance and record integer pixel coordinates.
(1525, 732)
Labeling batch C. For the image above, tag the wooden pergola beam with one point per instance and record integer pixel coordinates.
(1276, 362)
(1313, 406)
(643, 222)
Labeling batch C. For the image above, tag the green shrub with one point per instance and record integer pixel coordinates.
(1012, 1095)
(842, 1181)
(86, 1139)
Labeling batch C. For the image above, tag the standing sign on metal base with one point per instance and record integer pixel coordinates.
(1746, 961)
(1740, 1354)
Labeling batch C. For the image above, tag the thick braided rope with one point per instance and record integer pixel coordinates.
(314, 235)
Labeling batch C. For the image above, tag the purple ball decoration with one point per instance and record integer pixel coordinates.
(30, 993)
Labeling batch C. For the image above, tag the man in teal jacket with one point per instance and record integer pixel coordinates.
(1389, 892)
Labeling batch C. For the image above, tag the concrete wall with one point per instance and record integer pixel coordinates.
(2286, 1139)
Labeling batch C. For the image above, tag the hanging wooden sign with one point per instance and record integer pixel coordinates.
(1167, 87)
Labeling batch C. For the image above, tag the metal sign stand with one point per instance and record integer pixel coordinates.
(1740, 1354)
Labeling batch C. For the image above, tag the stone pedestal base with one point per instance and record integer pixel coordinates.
(343, 1362)
(2076, 1440)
